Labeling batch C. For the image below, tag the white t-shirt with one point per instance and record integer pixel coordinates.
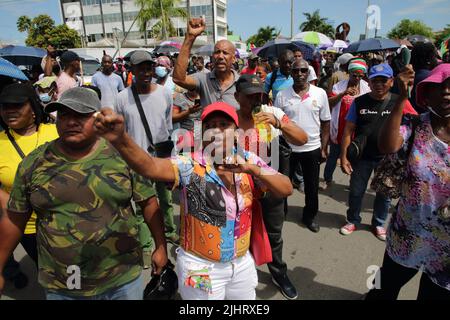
(110, 86)
(307, 113)
(158, 111)
(338, 88)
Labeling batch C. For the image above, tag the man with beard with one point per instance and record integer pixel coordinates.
(109, 83)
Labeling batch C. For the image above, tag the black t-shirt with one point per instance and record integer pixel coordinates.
(367, 112)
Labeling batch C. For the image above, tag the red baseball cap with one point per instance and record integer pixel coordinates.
(221, 107)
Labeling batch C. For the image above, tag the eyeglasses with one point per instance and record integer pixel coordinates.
(357, 75)
(302, 70)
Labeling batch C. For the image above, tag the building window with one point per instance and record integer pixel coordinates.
(221, 12)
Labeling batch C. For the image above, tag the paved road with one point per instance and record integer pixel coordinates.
(323, 266)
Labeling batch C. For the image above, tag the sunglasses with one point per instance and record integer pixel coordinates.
(302, 70)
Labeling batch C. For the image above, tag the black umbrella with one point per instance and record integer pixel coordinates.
(417, 38)
(166, 49)
(372, 45)
(274, 48)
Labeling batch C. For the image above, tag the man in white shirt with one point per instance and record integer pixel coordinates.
(307, 105)
(109, 83)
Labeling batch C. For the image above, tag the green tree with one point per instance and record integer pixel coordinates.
(162, 11)
(314, 22)
(264, 34)
(42, 32)
(408, 27)
(441, 36)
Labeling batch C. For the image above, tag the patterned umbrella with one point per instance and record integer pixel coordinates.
(312, 37)
(8, 69)
(20, 55)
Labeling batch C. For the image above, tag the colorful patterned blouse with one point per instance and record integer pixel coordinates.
(419, 232)
(213, 226)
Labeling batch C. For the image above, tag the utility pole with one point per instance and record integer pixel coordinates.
(214, 21)
(292, 19)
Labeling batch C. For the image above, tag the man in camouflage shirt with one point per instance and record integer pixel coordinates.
(81, 190)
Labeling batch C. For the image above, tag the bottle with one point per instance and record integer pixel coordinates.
(264, 129)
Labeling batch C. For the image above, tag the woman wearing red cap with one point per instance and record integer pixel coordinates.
(419, 233)
(218, 189)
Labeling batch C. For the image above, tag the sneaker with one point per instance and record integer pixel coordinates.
(286, 287)
(380, 233)
(347, 229)
(325, 185)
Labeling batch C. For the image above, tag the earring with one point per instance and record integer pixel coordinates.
(34, 116)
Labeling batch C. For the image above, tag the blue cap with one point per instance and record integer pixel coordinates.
(381, 70)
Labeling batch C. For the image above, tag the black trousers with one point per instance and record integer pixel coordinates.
(310, 164)
(274, 215)
(12, 267)
(394, 276)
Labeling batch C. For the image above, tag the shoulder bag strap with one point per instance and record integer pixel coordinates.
(15, 145)
(143, 117)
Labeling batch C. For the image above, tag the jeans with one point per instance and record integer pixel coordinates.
(310, 164)
(335, 152)
(133, 290)
(234, 280)
(358, 185)
(394, 276)
(274, 215)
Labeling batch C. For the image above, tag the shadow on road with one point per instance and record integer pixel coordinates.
(307, 288)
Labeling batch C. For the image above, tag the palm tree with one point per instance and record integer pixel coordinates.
(23, 23)
(264, 34)
(314, 22)
(162, 11)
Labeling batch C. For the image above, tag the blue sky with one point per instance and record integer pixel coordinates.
(246, 16)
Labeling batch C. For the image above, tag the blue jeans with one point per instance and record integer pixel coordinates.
(358, 185)
(335, 152)
(133, 290)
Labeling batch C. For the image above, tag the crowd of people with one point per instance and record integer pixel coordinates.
(87, 173)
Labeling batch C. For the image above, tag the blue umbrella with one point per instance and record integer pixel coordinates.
(7, 69)
(306, 48)
(371, 45)
(20, 55)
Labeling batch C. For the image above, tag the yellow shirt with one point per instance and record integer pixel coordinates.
(10, 158)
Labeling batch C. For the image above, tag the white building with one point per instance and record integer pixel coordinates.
(103, 23)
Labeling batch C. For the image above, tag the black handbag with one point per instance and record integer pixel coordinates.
(163, 286)
(162, 149)
(356, 148)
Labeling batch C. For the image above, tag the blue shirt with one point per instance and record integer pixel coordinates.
(281, 83)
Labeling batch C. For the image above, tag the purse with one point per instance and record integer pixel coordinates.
(162, 149)
(392, 169)
(259, 239)
(356, 148)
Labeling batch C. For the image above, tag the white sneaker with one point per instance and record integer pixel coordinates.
(380, 233)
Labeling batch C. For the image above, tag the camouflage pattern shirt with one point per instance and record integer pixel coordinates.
(84, 217)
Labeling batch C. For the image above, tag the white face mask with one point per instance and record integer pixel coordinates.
(438, 115)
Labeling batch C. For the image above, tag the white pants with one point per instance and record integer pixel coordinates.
(235, 280)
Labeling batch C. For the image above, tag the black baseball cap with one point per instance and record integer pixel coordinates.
(17, 93)
(78, 99)
(249, 84)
